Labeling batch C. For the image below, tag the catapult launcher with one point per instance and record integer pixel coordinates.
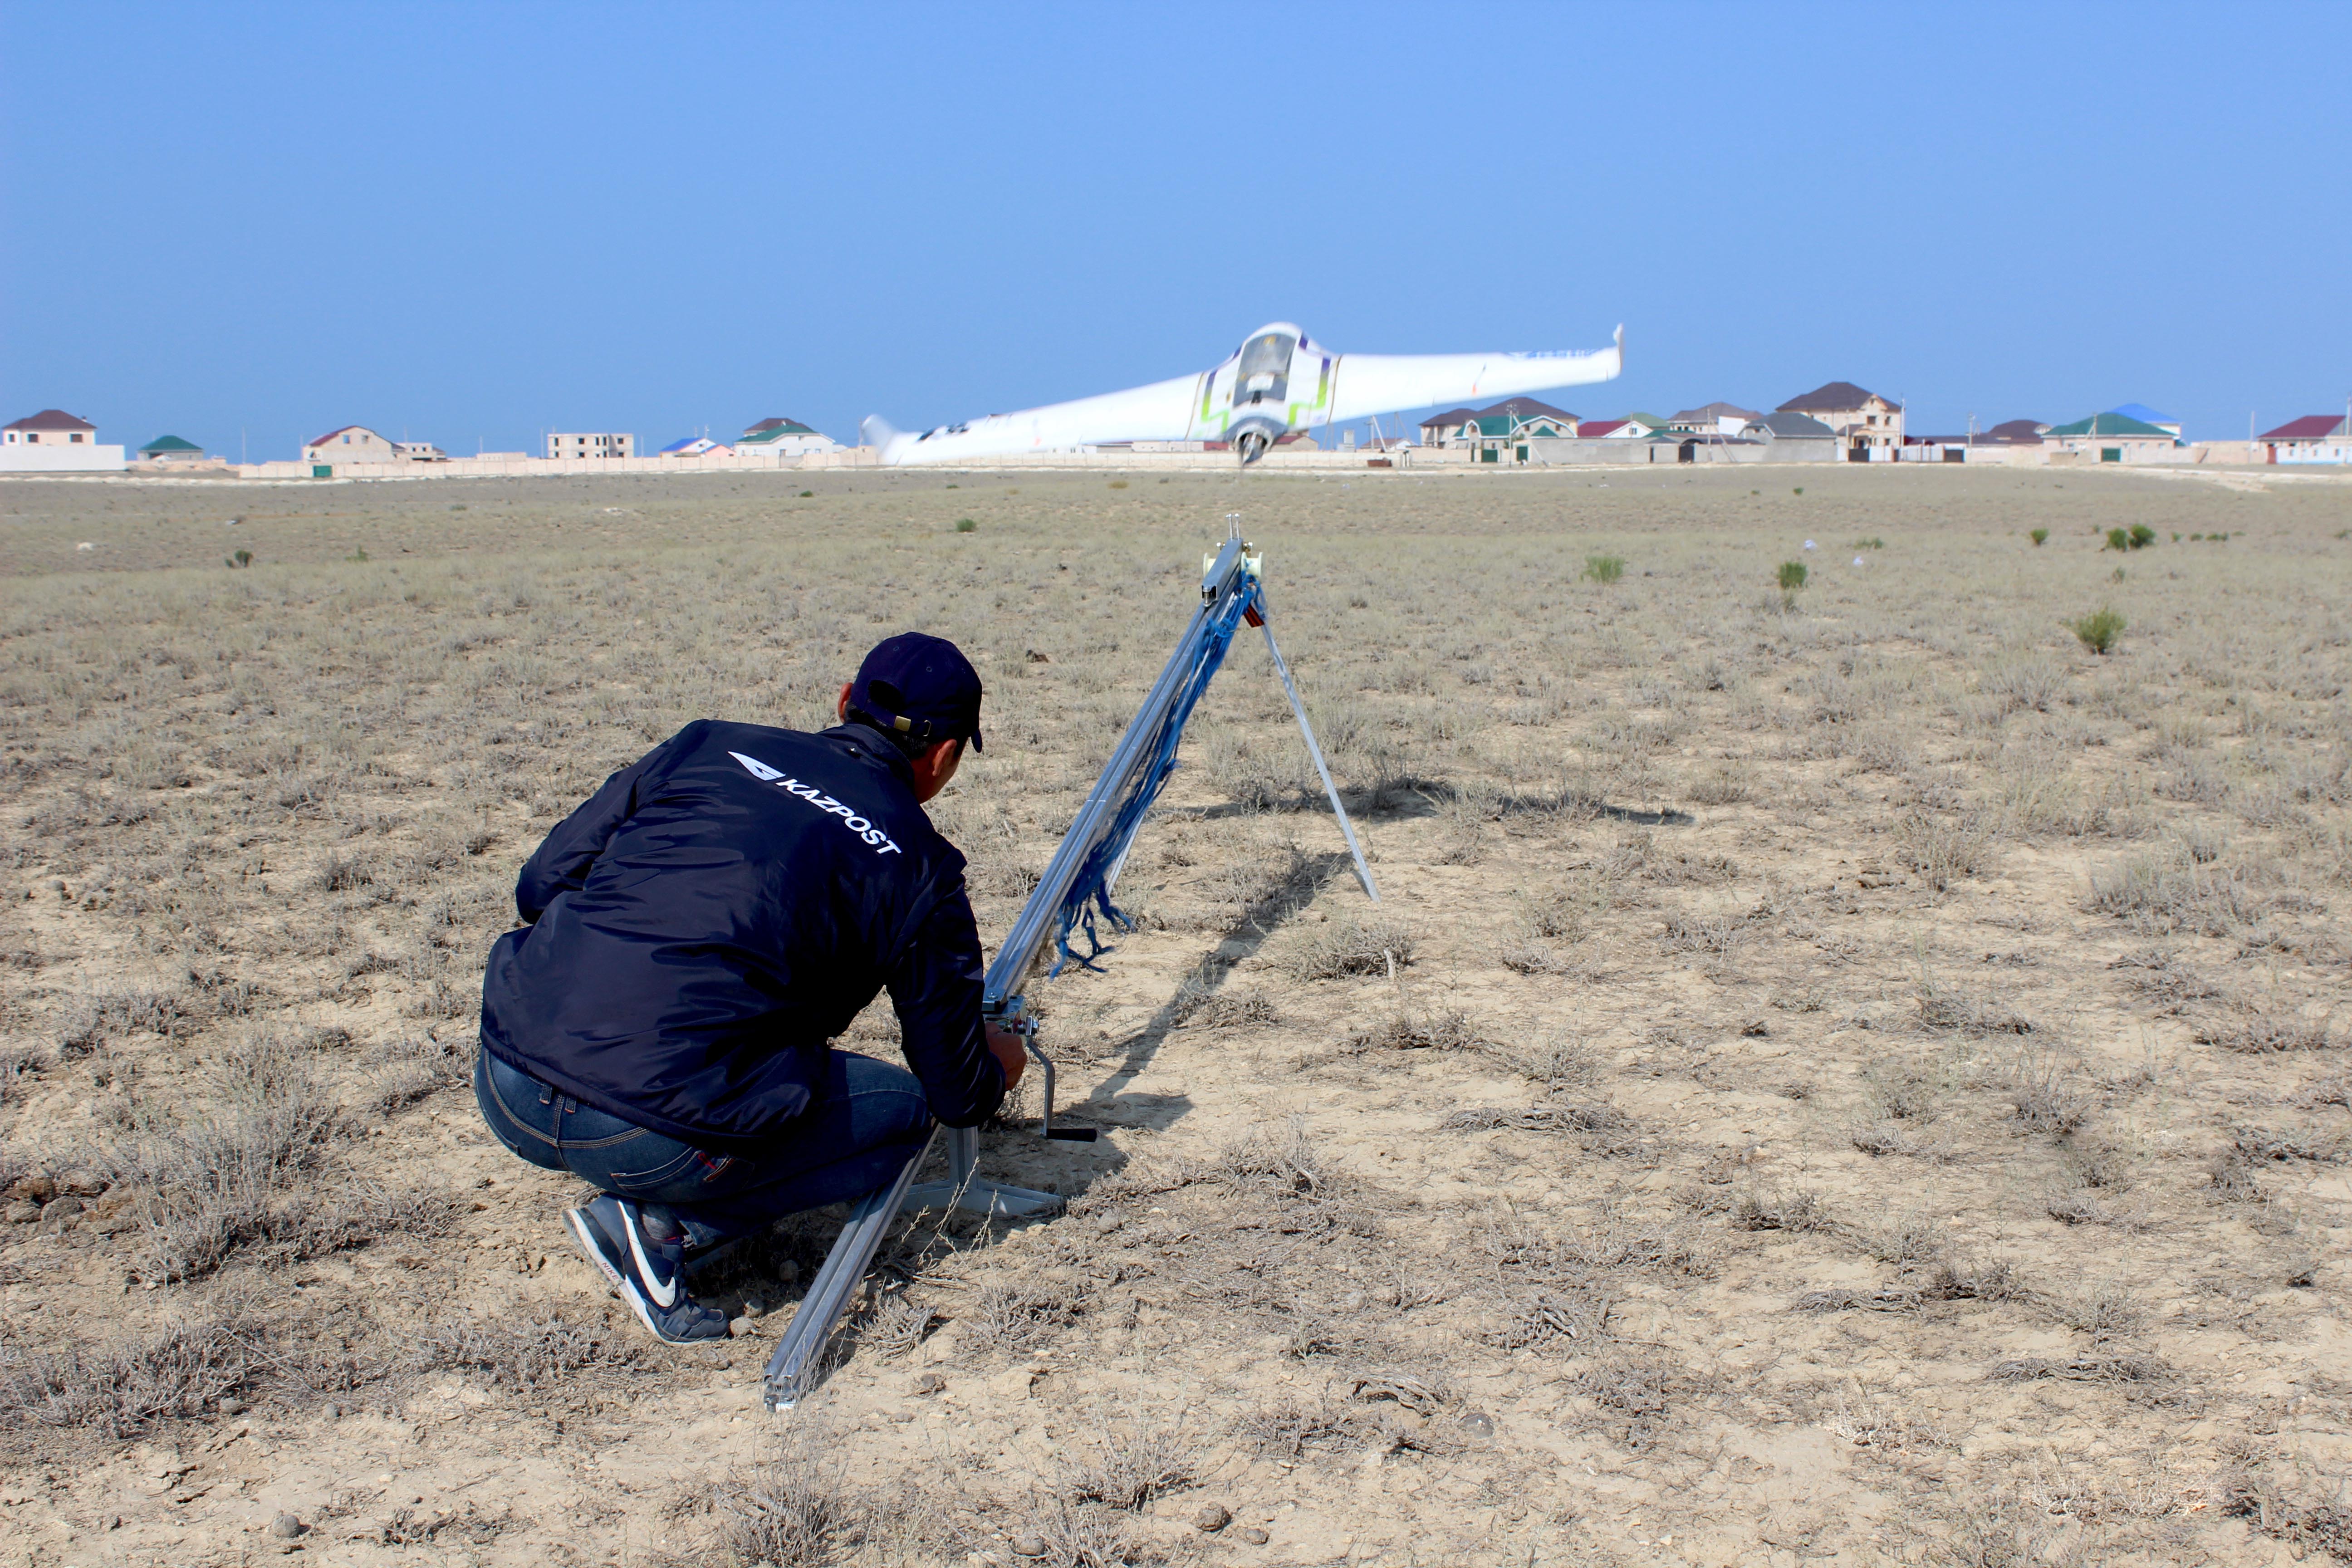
(1073, 895)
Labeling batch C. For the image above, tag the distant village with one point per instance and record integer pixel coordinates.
(1843, 423)
(1836, 423)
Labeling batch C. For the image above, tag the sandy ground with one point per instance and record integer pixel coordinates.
(1862, 1079)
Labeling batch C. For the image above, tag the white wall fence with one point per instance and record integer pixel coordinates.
(61, 458)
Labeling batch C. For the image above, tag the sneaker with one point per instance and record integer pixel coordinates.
(594, 1246)
(646, 1274)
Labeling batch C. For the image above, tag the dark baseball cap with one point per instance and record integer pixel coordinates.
(921, 687)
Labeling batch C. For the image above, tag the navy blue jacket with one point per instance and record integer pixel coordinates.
(719, 910)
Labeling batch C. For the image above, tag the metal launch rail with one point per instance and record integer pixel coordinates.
(1075, 890)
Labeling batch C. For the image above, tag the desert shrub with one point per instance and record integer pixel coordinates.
(2170, 895)
(2141, 536)
(1903, 1091)
(896, 1326)
(2258, 1033)
(525, 1353)
(2118, 540)
(1969, 1012)
(1977, 1279)
(1603, 568)
(1912, 1238)
(109, 1015)
(1013, 1319)
(2047, 1094)
(210, 1184)
(791, 1511)
(1411, 1030)
(1718, 787)
(2099, 629)
(2103, 1312)
(408, 1070)
(2040, 535)
(1617, 1239)
(1260, 1158)
(1713, 934)
(1559, 1061)
(1198, 1005)
(1348, 947)
(2030, 681)
(1136, 1458)
(1791, 577)
(1886, 1138)
(1538, 1119)
(1562, 914)
(1943, 850)
(123, 1390)
(1797, 1213)
(966, 525)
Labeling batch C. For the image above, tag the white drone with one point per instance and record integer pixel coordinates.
(1278, 380)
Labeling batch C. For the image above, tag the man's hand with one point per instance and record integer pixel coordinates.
(1010, 1054)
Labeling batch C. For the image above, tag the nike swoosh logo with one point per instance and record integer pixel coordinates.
(664, 1292)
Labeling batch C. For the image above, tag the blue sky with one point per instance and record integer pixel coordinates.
(474, 223)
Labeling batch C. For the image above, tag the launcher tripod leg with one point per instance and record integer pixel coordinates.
(1290, 690)
(799, 1354)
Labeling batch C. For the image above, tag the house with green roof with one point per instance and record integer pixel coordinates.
(2110, 438)
(1504, 437)
(171, 449)
(783, 438)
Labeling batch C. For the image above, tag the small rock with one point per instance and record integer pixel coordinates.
(81, 1185)
(40, 1189)
(1028, 1546)
(24, 1211)
(754, 1310)
(333, 1413)
(1255, 1536)
(1212, 1516)
(1478, 1423)
(1108, 1224)
(929, 1383)
(62, 1209)
(286, 1527)
(231, 1406)
(738, 1327)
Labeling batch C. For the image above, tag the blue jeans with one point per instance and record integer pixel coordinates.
(870, 1123)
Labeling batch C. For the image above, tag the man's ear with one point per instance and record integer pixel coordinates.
(841, 710)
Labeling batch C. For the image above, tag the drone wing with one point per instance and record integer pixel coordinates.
(1161, 411)
(1382, 384)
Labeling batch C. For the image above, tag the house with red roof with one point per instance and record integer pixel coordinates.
(348, 444)
(2314, 438)
(54, 441)
(1867, 422)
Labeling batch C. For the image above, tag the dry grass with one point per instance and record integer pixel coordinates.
(1712, 931)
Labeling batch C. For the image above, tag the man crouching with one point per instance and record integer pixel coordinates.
(696, 934)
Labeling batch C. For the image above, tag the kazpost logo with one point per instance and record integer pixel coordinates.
(883, 842)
